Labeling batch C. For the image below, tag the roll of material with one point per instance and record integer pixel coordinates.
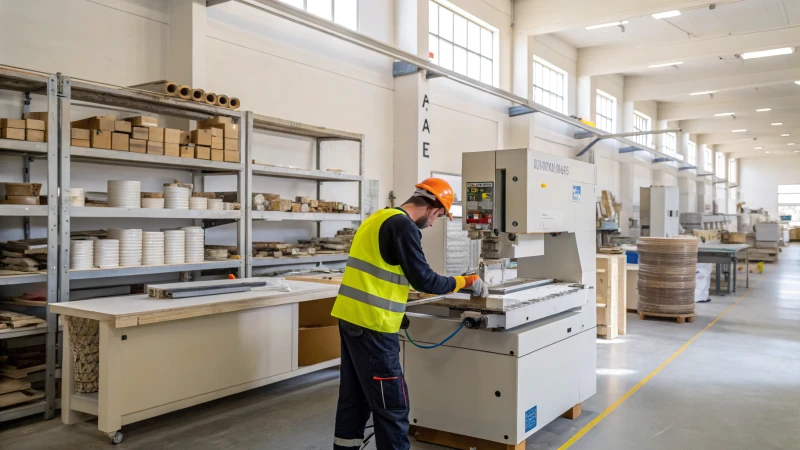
(152, 248)
(124, 194)
(223, 101)
(153, 203)
(211, 98)
(234, 103)
(198, 203)
(215, 204)
(162, 87)
(667, 268)
(185, 92)
(130, 246)
(77, 197)
(195, 244)
(198, 95)
(176, 197)
(106, 253)
(174, 246)
(81, 255)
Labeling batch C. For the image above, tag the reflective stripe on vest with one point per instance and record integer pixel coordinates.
(373, 293)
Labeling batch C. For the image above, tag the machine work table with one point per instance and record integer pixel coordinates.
(160, 355)
(724, 254)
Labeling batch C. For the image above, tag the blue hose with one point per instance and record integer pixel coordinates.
(440, 343)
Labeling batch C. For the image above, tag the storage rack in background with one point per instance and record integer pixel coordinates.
(32, 83)
(318, 174)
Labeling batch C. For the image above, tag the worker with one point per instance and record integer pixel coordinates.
(385, 258)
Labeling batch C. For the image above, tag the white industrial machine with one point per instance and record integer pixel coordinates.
(528, 354)
(659, 211)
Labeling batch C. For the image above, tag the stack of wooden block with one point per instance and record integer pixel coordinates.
(24, 129)
(28, 255)
(218, 136)
(140, 134)
(338, 244)
(274, 202)
(18, 364)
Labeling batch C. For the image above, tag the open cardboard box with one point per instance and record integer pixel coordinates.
(318, 339)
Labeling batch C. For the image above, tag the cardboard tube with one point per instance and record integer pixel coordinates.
(198, 95)
(222, 100)
(234, 103)
(162, 87)
(184, 92)
(211, 98)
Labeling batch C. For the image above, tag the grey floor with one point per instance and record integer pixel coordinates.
(737, 386)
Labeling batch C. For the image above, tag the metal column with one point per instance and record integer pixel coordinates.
(54, 91)
(246, 178)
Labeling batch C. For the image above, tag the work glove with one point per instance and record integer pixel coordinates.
(473, 282)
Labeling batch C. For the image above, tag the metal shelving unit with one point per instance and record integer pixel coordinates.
(33, 83)
(318, 174)
(147, 102)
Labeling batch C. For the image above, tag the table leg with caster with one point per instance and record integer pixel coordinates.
(109, 415)
(116, 437)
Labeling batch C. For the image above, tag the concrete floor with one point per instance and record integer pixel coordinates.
(737, 386)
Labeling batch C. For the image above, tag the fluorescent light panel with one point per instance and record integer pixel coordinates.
(790, 143)
(666, 14)
(768, 152)
(775, 124)
(676, 63)
(724, 114)
(703, 93)
(785, 134)
(797, 82)
(765, 53)
(759, 148)
(739, 131)
(606, 25)
(764, 110)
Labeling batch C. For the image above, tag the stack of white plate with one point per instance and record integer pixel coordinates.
(106, 253)
(155, 203)
(77, 197)
(215, 204)
(174, 246)
(227, 206)
(124, 194)
(152, 248)
(198, 203)
(195, 244)
(176, 197)
(81, 256)
(130, 246)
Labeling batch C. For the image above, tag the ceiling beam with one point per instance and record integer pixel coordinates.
(753, 126)
(746, 108)
(593, 61)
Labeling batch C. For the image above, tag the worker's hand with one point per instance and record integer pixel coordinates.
(479, 288)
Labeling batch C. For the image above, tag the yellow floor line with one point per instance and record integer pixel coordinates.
(644, 381)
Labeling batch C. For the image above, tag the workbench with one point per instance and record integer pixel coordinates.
(724, 254)
(161, 355)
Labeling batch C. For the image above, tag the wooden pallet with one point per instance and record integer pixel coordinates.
(681, 317)
(459, 441)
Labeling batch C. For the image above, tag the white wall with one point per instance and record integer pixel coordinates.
(760, 177)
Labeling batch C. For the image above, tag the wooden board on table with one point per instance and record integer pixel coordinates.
(328, 278)
(24, 302)
(459, 441)
(13, 372)
(12, 385)
(18, 397)
(611, 295)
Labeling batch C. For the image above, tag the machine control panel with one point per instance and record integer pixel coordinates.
(480, 205)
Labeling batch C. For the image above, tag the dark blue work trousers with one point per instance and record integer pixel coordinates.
(371, 381)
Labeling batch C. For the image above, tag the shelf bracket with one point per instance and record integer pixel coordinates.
(630, 150)
(211, 223)
(26, 178)
(400, 68)
(660, 160)
(26, 105)
(586, 149)
(688, 168)
(520, 110)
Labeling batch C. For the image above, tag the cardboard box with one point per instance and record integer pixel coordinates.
(142, 133)
(143, 121)
(120, 141)
(172, 149)
(80, 133)
(201, 137)
(137, 145)
(103, 123)
(318, 337)
(101, 139)
(38, 115)
(123, 126)
(231, 144)
(172, 136)
(217, 154)
(232, 156)
(202, 152)
(81, 143)
(12, 123)
(185, 138)
(34, 124)
(187, 151)
(229, 130)
(156, 134)
(13, 133)
(214, 121)
(217, 142)
(216, 132)
(155, 148)
(34, 135)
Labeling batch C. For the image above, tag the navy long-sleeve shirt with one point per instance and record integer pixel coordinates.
(400, 242)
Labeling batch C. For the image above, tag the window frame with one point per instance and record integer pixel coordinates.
(613, 116)
(467, 47)
(671, 150)
(719, 168)
(333, 11)
(708, 161)
(795, 190)
(733, 167)
(691, 154)
(562, 96)
(644, 139)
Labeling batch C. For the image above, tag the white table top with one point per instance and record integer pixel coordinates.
(716, 246)
(133, 310)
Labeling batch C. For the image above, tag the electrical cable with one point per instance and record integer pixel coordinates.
(440, 343)
(366, 441)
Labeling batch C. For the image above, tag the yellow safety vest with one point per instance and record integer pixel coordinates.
(373, 293)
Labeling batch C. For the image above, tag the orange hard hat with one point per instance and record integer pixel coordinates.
(440, 189)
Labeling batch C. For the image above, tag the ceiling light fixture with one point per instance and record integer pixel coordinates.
(767, 152)
(606, 25)
(784, 135)
(739, 131)
(703, 93)
(759, 148)
(764, 110)
(797, 82)
(790, 143)
(666, 14)
(676, 63)
(765, 53)
(723, 114)
(775, 124)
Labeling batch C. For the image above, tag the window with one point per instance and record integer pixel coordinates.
(789, 202)
(343, 12)
(720, 164)
(732, 176)
(692, 153)
(549, 85)
(605, 111)
(642, 123)
(671, 144)
(460, 44)
(708, 162)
